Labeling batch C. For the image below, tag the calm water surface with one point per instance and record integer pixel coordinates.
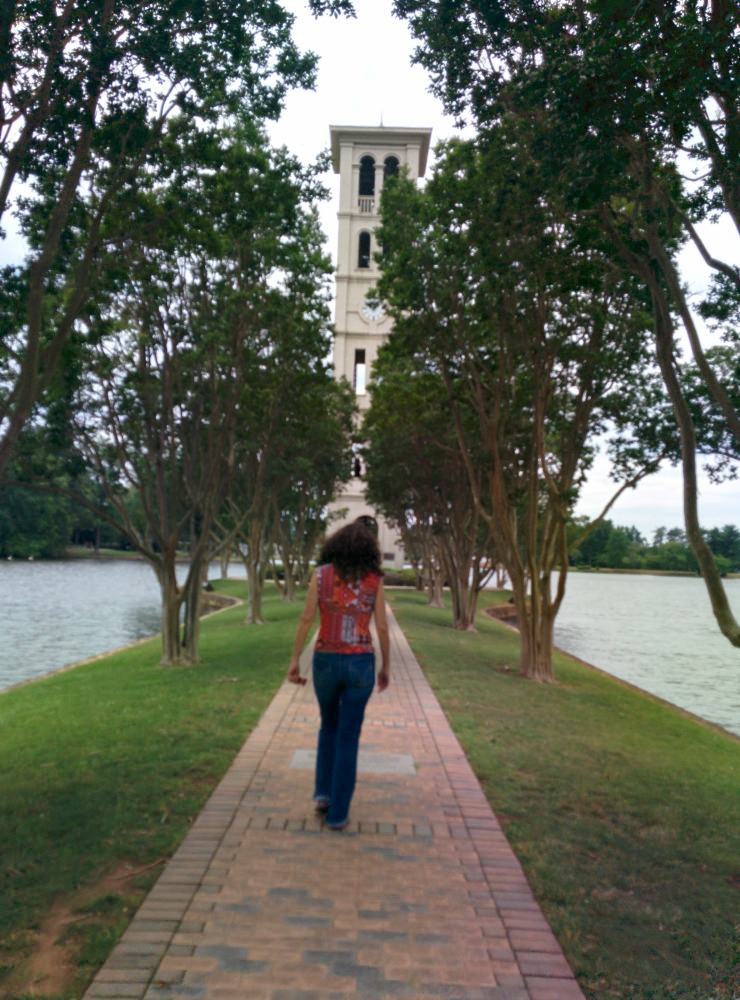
(657, 632)
(654, 631)
(54, 613)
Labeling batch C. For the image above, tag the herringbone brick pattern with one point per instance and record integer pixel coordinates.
(420, 898)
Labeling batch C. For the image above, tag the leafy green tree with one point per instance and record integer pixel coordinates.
(590, 549)
(284, 387)
(292, 450)
(518, 305)
(33, 524)
(673, 555)
(617, 548)
(608, 546)
(725, 542)
(620, 90)
(219, 268)
(86, 93)
(417, 477)
(315, 461)
(611, 546)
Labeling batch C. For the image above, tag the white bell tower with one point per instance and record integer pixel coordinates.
(364, 158)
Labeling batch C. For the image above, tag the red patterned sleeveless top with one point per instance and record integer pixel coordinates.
(345, 610)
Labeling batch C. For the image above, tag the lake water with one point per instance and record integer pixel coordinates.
(55, 613)
(657, 632)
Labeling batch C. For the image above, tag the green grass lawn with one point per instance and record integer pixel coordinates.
(111, 762)
(624, 812)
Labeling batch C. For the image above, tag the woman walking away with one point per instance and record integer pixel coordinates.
(347, 588)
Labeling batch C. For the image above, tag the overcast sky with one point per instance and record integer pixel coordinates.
(365, 76)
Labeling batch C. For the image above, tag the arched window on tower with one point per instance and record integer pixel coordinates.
(363, 250)
(390, 167)
(367, 177)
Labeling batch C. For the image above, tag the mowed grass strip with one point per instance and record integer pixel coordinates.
(624, 812)
(112, 761)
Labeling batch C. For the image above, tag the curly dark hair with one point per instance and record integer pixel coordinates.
(353, 551)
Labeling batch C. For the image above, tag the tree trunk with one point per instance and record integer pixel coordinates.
(723, 613)
(254, 580)
(432, 578)
(280, 584)
(473, 595)
(193, 601)
(171, 636)
(289, 582)
(536, 624)
(461, 609)
(436, 588)
(291, 572)
(665, 350)
(225, 559)
(457, 571)
(191, 624)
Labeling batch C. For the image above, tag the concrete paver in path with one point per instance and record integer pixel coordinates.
(421, 897)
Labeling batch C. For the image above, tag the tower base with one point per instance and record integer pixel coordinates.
(352, 503)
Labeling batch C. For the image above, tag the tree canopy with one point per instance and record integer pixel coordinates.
(514, 302)
(90, 97)
(624, 96)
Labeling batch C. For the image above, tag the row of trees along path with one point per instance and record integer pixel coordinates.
(162, 343)
(535, 277)
(174, 283)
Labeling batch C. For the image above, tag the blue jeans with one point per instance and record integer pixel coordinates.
(343, 683)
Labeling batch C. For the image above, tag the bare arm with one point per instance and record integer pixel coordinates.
(381, 624)
(304, 624)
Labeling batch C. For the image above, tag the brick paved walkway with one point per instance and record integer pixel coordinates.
(421, 898)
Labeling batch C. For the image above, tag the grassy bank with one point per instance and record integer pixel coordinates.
(103, 769)
(624, 812)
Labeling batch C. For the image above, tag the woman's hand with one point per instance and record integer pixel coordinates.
(294, 674)
(383, 679)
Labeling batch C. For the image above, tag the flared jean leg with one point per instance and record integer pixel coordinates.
(326, 751)
(344, 779)
(343, 685)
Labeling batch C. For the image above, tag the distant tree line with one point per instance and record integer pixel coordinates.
(613, 546)
(40, 525)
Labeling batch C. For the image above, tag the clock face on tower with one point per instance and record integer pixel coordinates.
(373, 313)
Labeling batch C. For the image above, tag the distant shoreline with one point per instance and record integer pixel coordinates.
(81, 552)
(645, 572)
